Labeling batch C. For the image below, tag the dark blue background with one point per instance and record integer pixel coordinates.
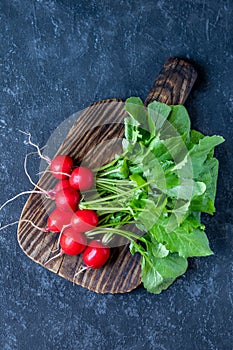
(58, 57)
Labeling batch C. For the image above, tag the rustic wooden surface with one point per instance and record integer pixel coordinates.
(95, 138)
(174, 82)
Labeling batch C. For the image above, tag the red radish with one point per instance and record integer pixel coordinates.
(58, 187)
(72, 242)
(82, 178)
(61, 185)
(96, 255)
(67, 199)
(61, 164)
(57, 219)
(84, 220)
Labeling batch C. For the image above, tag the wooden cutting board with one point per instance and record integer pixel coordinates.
(94, 139)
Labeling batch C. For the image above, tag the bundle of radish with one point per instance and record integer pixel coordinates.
(162, 180)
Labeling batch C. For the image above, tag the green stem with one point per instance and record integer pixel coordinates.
(106, 217)
(107, 238)
(108, 172)
(97, 195)
(108, 165)
(120, 195)
(116, 224)
(106, 209)
(127, 234)
(115, 181)
(109, 188)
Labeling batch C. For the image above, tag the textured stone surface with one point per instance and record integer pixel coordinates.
(58, 57)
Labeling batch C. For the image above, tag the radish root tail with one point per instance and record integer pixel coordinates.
(82, 269)
(60, 234)
(47, 159)
(54, 257)
(53, 172)
(29, 177)
(24, 220)
(18, 195)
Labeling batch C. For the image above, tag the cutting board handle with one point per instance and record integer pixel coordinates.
(173, 83)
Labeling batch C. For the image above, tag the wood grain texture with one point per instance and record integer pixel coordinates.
(94, 139)
(173, 83)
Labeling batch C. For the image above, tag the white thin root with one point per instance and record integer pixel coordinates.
(47, 159)
(29, 177)
(18, 195)
(83, 268)
(53, 172)
(54, 250)
(42, 229)
(54, 257)
(60, 234)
